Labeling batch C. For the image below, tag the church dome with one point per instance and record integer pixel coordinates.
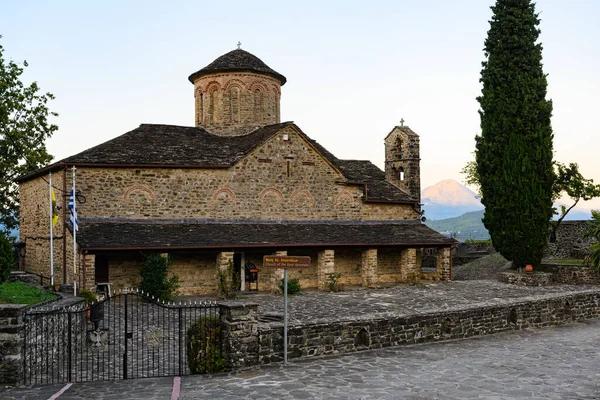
(238, 60)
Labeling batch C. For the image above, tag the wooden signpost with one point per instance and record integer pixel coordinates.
(285, 262)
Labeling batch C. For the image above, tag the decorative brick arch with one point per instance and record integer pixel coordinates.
(258, 85)
(267, 191)
(302, 193)
(212, 85)
(343, 196)
(276, 89)
(228, 194)
(234, 83)
(143, 189)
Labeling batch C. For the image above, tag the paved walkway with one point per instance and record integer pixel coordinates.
(363, 303)
(554, 363)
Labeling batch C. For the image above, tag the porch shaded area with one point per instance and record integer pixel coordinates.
(367, 253)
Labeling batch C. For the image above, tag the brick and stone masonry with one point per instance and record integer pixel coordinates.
(281, 175)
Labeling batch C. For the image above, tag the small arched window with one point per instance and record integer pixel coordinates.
(401, 173)
(399, 146)
(258, 105)
(212, 106)
(234, 104)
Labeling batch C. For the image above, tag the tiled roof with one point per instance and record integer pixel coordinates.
(164, 234)
(237, 61)
(377, 188)
(152, 145)
(175, 145)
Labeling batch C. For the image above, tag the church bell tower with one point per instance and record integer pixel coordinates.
(402, 160)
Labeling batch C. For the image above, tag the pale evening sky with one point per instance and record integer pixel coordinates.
(354, 69)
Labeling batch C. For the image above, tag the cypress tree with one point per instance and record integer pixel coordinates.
(514, 151)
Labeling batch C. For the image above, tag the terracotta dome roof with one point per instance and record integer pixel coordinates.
(238, 61)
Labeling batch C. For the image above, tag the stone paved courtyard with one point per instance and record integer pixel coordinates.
(553, 363)
(362, 303)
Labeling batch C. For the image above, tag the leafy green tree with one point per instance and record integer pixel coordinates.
(24, 128)
(570, 181)
(155, 278)
(514, 151)
(593, 231)
(6, 257)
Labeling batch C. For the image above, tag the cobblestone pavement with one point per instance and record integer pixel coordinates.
(553, 363)
(364, 303)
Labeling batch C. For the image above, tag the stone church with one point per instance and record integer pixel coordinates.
(220, 195)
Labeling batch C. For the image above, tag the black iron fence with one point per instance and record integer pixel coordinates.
(128, 335)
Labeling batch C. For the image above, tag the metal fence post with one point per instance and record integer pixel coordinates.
(180, 344)
(70, 348)
(125, 337)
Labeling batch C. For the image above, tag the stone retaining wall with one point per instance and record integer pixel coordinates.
(11, 343)
(527, 279)
(570, 242)
(339, 337)
(573, 274)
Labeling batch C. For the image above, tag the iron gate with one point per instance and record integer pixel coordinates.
(125, 336)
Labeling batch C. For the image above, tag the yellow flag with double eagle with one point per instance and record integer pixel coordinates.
(54, 209)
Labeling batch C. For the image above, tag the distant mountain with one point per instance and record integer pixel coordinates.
(467, 226)
(447, 199)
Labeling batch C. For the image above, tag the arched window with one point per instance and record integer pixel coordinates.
(399, 147)
(212, 106)
(401, 173)
(234, 104)
(258, 105)
(201, 108)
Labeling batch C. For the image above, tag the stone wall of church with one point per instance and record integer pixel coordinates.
(235, 103)
(35, 228)
(280, 180)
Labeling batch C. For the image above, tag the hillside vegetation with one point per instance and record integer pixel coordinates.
(467, 226)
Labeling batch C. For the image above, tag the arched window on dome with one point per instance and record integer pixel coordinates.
(234, 104)
(258, 105)
(212, 106)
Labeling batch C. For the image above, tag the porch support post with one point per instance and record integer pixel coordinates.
(89, 272)
(369, 269)
(224, 260)
(443, 263)
(410, 264)
(325, 267)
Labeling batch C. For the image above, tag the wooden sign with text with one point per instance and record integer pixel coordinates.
(286, 261)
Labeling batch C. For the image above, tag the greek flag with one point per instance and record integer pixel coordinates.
(73, 211)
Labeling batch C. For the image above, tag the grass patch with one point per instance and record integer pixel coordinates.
(21, 293)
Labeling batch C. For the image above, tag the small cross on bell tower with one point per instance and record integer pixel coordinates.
(402, 122)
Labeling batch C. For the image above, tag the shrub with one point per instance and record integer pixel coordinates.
(88, 296)
(593, 231)
(203, 346)
(155, 278)
(293, 286)
(334, 283)
(6, 258)
(229, 282)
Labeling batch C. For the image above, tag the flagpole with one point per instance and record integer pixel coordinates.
(51, 231)
(74, 236)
